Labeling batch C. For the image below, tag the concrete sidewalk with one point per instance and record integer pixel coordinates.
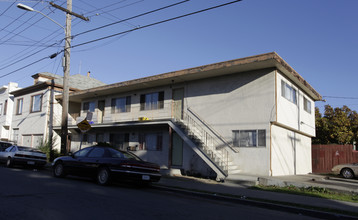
(238, 187)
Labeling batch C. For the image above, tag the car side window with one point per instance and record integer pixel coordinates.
(96, 153)
(8, 149)
(82, 152)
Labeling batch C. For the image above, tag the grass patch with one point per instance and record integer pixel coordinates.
(311, 191)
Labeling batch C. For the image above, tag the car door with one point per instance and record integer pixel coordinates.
(93, 160)
(77, 163)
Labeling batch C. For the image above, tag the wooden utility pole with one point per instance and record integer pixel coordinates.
(66, 71)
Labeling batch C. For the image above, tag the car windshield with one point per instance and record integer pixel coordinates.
(121, 154)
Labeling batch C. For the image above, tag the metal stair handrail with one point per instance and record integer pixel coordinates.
(212, 130)
(196, 128)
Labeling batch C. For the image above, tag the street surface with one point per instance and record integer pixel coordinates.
(31, 194)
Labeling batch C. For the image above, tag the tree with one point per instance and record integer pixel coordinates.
(337, 126)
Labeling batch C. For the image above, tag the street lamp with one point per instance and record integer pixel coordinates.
(66, 69)
(28, 8)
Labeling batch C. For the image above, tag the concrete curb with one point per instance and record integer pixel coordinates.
(269, 204)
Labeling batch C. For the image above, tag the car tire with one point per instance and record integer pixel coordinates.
(347, 173)
(9, 162)
(59, 170)
(103, 176)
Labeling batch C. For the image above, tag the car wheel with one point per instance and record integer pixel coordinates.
(59, 170)
(103, 176)
(347, 173)
(9, 162)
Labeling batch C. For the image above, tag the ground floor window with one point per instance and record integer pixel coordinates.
(119, 141)
(151, 141)
(249, 138)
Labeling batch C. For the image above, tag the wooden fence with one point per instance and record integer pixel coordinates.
(324, 157)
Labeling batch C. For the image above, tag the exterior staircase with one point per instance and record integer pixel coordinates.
(207, 143)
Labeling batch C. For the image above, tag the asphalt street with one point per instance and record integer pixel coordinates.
(35, 194)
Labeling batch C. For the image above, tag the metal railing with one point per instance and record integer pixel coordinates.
(210, 141)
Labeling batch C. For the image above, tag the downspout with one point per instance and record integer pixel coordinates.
(272, 124)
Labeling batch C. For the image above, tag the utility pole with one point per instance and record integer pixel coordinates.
(66, 72)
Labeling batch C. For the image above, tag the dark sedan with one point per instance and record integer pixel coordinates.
(105, 164)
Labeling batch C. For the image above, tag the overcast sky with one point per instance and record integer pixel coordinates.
(318, 38)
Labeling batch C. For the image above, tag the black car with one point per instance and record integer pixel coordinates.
(105, 164)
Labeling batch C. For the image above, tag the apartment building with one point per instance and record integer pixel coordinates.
(253, 115)
(6, 107)
(33, 106)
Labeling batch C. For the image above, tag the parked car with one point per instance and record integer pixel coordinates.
(4, 145)
(105, 164)
(18, 155)
(348, 171)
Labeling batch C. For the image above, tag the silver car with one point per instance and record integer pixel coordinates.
(348, 171)
(17, 155)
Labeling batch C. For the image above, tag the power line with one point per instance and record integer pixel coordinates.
(150, 25)
(127, 19)
(23, 67)
(339, 97)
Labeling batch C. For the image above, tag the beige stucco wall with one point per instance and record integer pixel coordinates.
(244, 101)
(291, 152)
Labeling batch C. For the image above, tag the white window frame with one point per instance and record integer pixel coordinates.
(288, 92)
(249, 138)
(307, 105)
(36, 103)
(19, 106)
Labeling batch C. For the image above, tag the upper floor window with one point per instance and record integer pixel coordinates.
(19, 104)
(0, 108)
(89, 106)
(5, 107)
(152, 101)
(249, 138)
(36, 103)
(121, 104)
(288, 92)
(306, 105)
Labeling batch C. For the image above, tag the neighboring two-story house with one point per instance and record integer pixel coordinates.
(253, 115)
(6, 107)
(34, 104)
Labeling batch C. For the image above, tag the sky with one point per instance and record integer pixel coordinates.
(318, 38)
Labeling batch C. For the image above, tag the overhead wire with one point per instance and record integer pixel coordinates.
(124, 32)
(149, 25)
(130, 18)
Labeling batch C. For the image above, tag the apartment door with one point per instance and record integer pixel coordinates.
(177, 150)
(178, 103)
(101, 104)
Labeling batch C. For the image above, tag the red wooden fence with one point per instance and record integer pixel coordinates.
(324, 157)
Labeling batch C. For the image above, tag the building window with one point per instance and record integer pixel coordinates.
(100, 138)
(306, 105)
(152, 101)
(36, 103)
(288, 92)
(151, 141)
(119, 141)
(0, 108)
(249, 138)
(19, 104)
(5, 107)
(88, 106)
(121, 104)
